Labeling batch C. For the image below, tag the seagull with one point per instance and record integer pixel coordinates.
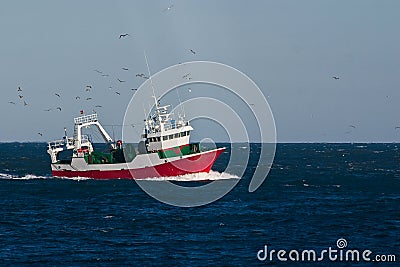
(77, 97)
(186, 75)
(20, 96)
(352, 126)
(40, 134)
(397, 127)
(118, 93)
(134, 89)
(25, 104)
(98, 106)
(105, 75)
(169, 8)
(193, 52)
(190, 90)
(89, 98)
(336, 77)
(125, 68)
(59, 108)
(49, 109)
(19, 89)
(123, 35)
(98, 71)
(142, 75)
(57, 95)
(12, 102)
(121, 81)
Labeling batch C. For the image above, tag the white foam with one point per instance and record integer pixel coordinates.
(75, 178)
(201, 176)
(26, 177)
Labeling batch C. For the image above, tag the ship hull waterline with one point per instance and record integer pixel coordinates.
(196, 163)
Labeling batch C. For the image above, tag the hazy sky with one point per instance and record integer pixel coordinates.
(291, 49)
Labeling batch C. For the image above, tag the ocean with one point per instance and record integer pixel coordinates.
(314, 196)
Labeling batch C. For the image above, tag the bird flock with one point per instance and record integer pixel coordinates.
(87, 92)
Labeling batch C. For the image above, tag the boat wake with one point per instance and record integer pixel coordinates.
(7, 176)
(202, 176)
(193, 177)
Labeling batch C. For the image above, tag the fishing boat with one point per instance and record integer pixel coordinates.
(164, 150)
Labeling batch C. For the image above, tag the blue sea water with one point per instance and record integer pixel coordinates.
(314, 195)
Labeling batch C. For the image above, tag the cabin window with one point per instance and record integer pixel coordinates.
(165, 138)
(176, 135)
(158, 139)
(187, 132)
(183, 134)
(171, 136)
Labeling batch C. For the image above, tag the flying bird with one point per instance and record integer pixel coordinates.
(40, 134)
(397, 127)
(140, 75)
(11, 102)
(169, 8)
(352, 126)
(123, 35)
(88, 86)
(20, 96)
(89, 98)
(77, 97)
(186, 75)
(49, 109)
(57, 95)
(98, 106)
(125, 68)
(105, 75)
(25, 104)
(118, 93)
(19, 89)
(98, 71)
(134, 89)
(121, 81)
(59, 108)
(193, 52)
(336, 77)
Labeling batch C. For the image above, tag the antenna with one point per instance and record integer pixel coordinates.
(151, 80)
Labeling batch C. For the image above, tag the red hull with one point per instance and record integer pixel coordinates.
(194, 164)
